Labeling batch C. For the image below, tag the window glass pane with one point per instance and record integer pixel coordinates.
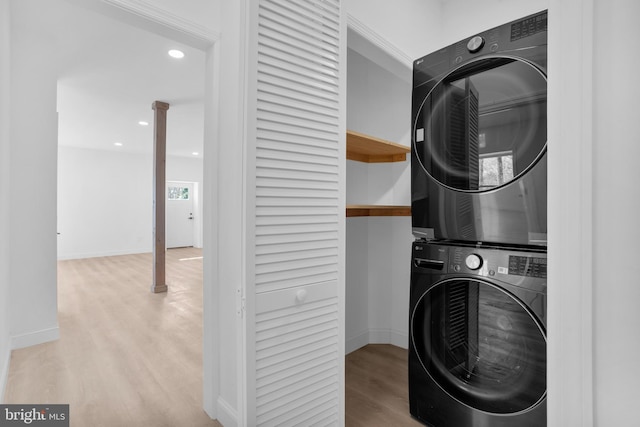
(495, 170)
(178, 193)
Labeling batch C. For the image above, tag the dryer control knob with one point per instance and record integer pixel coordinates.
(475, 44)
(473, 261)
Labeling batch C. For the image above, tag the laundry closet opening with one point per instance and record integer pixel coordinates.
(377, 247)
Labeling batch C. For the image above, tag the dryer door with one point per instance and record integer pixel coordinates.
(483, 125)
(481, 345)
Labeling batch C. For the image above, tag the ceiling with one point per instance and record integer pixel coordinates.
(110, 73)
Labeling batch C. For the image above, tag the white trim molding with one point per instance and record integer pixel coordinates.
(357, 342)
(35, 338)
(399, 339)
(147, 10)
(144, 14)
(377, 336)
(227, 416)
(378, 41)
(371, 45)
(83, 255)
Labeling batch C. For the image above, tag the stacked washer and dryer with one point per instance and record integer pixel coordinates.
(478, 301)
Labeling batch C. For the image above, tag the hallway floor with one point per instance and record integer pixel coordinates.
(125, 357)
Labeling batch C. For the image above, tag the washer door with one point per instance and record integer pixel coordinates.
(483, 125)
(481, 345)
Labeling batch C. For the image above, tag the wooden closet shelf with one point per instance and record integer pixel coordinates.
(368, 149)
(378, 210)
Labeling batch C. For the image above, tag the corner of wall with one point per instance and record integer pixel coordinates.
(34, 338)
(359, 341)
(4, 371)
(399, 338)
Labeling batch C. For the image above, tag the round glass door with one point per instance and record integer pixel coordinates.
(483, 125)
(481, 346)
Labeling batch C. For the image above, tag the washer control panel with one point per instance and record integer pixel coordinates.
(473, 261)
(506, 264)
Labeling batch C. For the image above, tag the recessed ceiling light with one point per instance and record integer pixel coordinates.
(195, 153)
(175, 53)
(143, 123)
(118, 144)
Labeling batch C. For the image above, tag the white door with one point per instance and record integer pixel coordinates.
(294, 288)
(180, 214)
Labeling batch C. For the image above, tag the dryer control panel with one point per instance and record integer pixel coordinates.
(528, 266)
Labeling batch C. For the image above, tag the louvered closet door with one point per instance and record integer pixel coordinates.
(298, 213)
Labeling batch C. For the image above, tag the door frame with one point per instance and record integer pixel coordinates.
(146, 16)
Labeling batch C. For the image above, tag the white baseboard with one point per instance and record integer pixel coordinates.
(399, 339)
(377, 336)
(227, 415)
(4, 373)
(62, 257)
(357, 342)
(34, 338)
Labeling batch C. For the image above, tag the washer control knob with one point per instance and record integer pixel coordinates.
(473, 262)
(475, 44)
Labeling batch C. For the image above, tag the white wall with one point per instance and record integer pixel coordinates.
(33, 299)
(5, 264)
(105, 202)
(377, 249)
(616, 202)
(357, 283)
(412, 26)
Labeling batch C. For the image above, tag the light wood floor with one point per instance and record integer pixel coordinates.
(377, 394)
(128, 357)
